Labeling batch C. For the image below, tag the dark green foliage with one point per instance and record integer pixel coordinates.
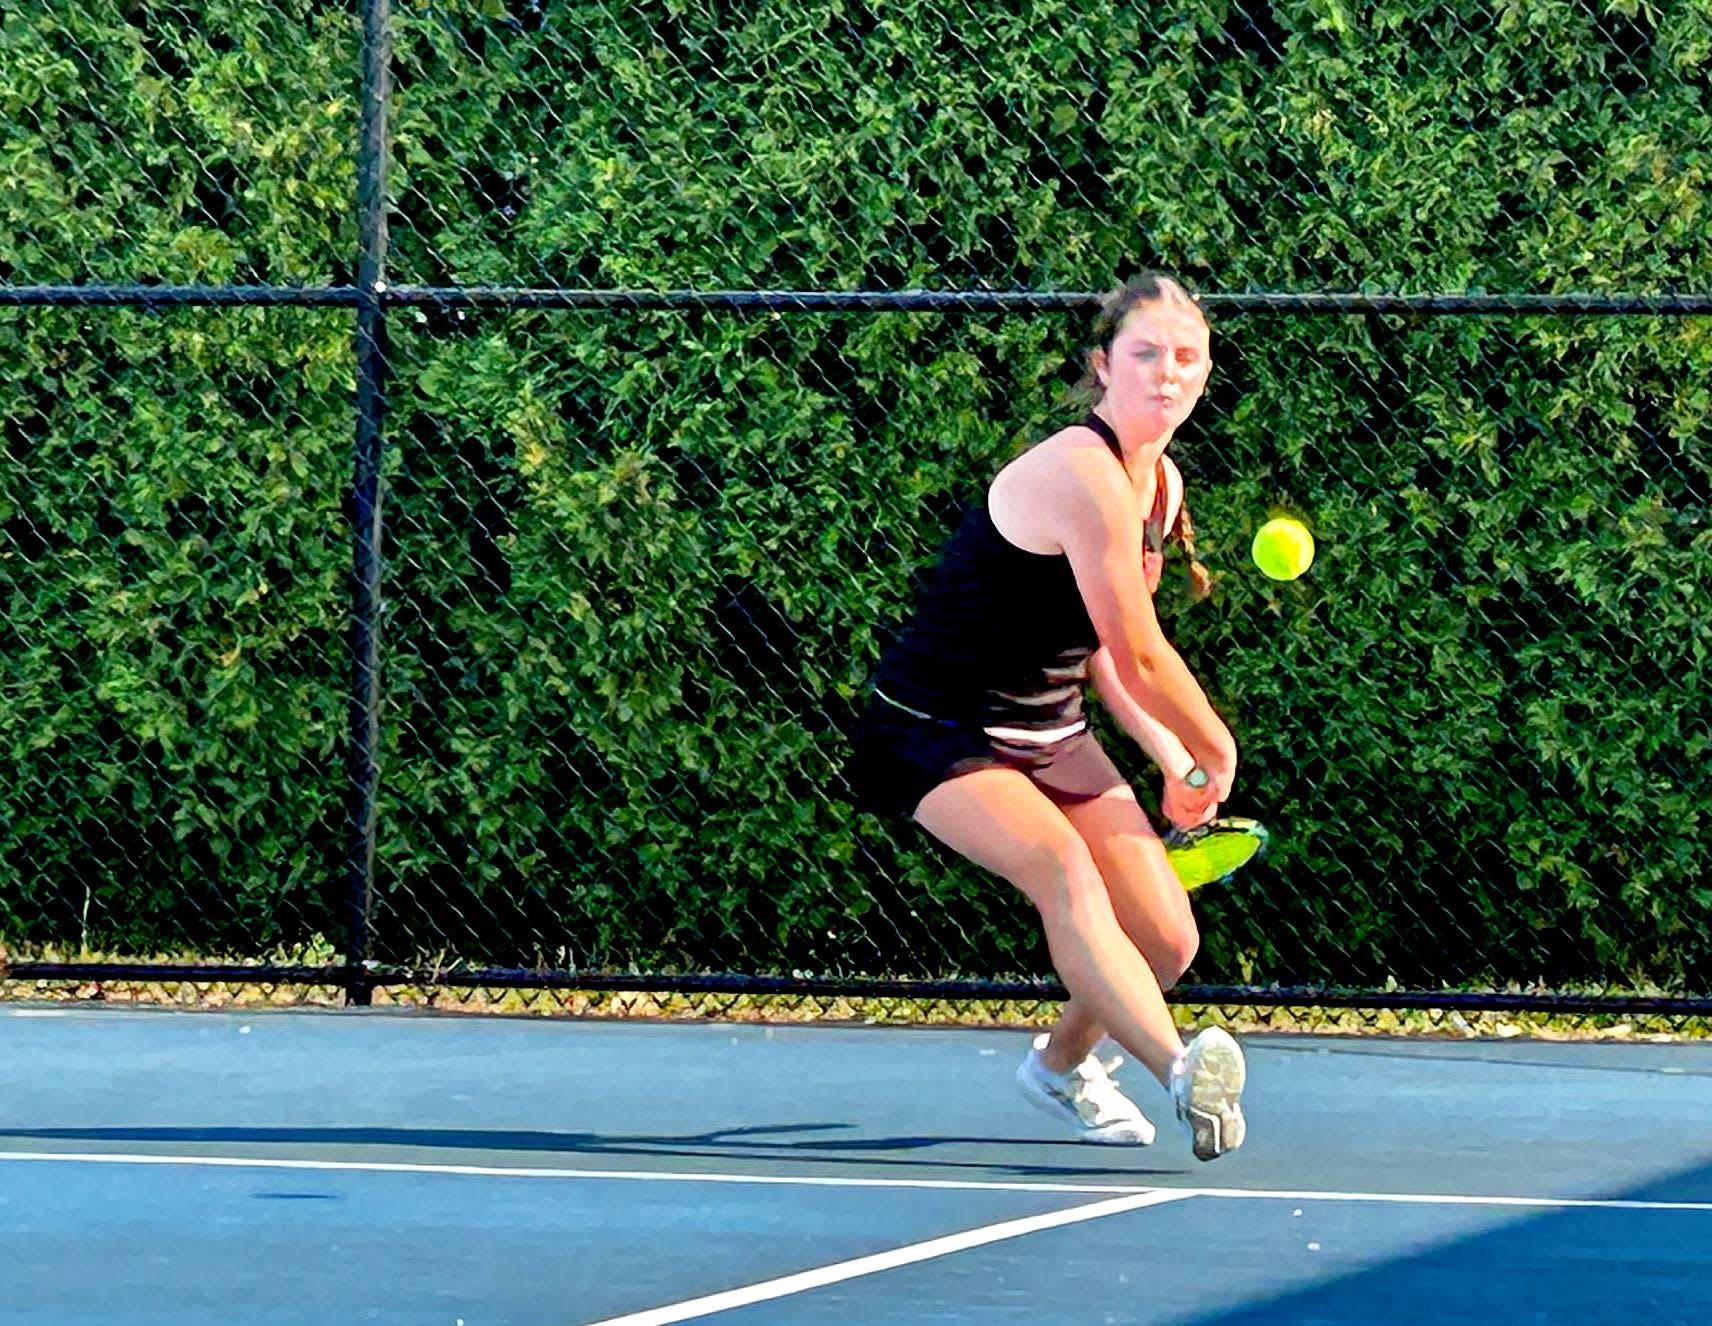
(187, 142)
(172, 618)
(638, 566)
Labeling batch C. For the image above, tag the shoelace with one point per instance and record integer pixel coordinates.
(1098, 1089)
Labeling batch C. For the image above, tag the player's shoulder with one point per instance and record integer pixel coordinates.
(1062, 485)
(1076, 460)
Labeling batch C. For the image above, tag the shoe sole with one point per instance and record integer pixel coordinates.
(1065, 1116)
(1215, 1090)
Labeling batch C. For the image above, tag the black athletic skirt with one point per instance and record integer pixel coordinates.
(899, 757)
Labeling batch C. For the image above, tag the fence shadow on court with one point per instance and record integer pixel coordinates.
(759, 1144)
(1582, 1265)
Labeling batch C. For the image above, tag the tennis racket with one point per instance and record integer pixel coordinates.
(1216, 850)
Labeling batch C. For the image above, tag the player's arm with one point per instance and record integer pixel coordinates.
(1184, 804)
(1159, 741)
(1143, 728)
(1093, 514)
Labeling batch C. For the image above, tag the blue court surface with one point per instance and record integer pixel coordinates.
(318, 1168)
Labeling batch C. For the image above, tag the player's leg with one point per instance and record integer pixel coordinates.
(1206, 1082)
(1000, 820)
(1151, 906)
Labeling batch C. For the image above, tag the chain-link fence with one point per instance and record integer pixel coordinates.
(672, 338)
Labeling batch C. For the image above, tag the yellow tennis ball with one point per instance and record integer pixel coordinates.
(1283, 548)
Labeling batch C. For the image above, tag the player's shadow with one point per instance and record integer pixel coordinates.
(753, 1144)
(1589, 1266)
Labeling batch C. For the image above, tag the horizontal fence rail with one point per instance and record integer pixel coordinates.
(837, 301)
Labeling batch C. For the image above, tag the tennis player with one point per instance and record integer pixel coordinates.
(976, 726)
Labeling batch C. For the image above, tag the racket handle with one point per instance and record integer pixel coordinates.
(1196, 777)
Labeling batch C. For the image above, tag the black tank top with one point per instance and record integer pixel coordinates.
(1000, 637)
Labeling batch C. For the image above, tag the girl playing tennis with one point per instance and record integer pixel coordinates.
(976, 725)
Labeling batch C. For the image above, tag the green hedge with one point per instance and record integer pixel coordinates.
(172, 609)
(640, 565)
(172, 551)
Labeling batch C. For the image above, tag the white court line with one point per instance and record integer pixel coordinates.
(537, 1172)
(1454, 1199)
(886, 1261)
(838, 1181)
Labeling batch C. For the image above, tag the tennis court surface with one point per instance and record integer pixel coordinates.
(195, 1168)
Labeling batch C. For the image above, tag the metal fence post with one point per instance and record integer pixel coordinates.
(362, 759)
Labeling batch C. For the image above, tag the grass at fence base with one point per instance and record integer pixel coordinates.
(842, 1010)
(210, 995)
(1036, 1013)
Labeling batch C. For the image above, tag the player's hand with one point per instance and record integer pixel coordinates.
(1188, 807)
(1219, 766)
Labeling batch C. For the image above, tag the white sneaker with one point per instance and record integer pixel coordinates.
(1206, 1086)
(1086, 1099)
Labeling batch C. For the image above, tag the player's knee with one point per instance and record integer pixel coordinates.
(1174, 949)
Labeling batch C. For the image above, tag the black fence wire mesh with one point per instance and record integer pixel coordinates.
(465, 459)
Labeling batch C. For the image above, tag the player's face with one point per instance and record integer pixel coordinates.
(1155, 368)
